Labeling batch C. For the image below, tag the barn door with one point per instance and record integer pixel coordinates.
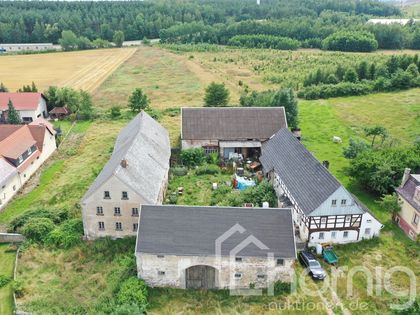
(200, 277)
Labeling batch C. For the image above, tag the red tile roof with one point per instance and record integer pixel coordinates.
(21, 101)
(17, 143)
(7, 130)
(59, 110)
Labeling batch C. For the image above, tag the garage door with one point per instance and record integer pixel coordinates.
(200, 277)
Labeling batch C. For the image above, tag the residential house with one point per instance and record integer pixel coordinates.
(136, 174)
(324, 211)
(408, 192)
(23, 149)
(29, 105)
(230, 129)
(214, 247)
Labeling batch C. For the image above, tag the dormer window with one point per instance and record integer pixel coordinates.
(29, 151)
(417, 195)
(20, 159)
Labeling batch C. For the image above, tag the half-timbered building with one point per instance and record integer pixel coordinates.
(324, 211)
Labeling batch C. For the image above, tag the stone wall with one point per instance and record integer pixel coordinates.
(174, 268)
(11, 238)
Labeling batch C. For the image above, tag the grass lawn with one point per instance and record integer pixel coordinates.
(7, 262)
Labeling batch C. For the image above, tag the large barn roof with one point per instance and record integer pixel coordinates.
(231, 123)
(308, 181)
(140, 158)
(193, 231)
(20, 100)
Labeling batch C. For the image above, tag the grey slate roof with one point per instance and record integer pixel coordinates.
(408, 190)
(145, 145)
(308, 181)
(231, 123)
(193, 231)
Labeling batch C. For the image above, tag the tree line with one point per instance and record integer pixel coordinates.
(399, 72)
(44, 21)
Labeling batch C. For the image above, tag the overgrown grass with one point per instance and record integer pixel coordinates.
(7, 261)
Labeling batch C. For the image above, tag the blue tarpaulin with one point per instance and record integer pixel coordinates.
(244, 183)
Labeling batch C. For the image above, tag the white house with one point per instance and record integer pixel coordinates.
(324, 211)
(214, 247)
(23, 149)
(136, 174)
(29, 105)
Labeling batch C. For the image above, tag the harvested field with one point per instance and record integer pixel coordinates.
(78, 69)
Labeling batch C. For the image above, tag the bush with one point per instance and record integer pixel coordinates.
(350, 41)
(192, 157)
(207, 169)
(38, 229)
(335, 90)
(281, 288)
(66, 235)
(57, 216)
(263, 191)
(179, 171)
(115, 112)
(4, 280)
(219, 195)
(133, 291)
(18, 288)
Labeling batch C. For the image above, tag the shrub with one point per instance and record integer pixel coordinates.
(281, 288)
(133, 291)
(214, 158)
(4, 280)
(57, 216)
(207, 169)
(263, 191)
(38, 229)
(66, 235)
(192, 157)
(180, 171)
(355, 148)
(219, 195)
(335, 90)
(350, 41)
(115, 112)
(18, 288)
(264, 41)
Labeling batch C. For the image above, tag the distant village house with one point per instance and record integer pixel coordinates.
(29, 105)
(23, 149)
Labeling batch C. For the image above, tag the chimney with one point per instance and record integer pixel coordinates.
(124, 163)
(297, 133)
(405, 177)
(326, 164)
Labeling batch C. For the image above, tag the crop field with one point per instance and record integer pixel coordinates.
(79, 69)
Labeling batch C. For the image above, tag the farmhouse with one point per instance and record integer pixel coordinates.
(136, 174)
(23, 148)
(409, 195)
(230, 130)
(214, 247)
(324, 211)
(29, 105)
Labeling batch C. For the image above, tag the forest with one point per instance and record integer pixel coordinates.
(213, 21)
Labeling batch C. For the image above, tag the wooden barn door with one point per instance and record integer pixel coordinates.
(200, 277)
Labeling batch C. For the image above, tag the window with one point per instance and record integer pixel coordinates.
(101, 225)
(333, 234)
(280, 261)
(367, 231)
(118, 226)
(117, 211)
(160, 256)
(369, 221)
(29, 151)
(416, 219)
(238, 275)
(99, 210)
(238, 259)
(321, 235)
(135, 227)
(323, 220)
(260, 276)
(107, 195)
(210, 149)
(343, 202)
(124, 195)
(345, 234)
(20, 159)
(348, 218)
(135, 212)
(334, 202)
(161, 273)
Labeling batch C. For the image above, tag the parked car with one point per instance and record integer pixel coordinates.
(312, 265)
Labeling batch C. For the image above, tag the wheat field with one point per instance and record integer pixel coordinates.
(78, 69)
